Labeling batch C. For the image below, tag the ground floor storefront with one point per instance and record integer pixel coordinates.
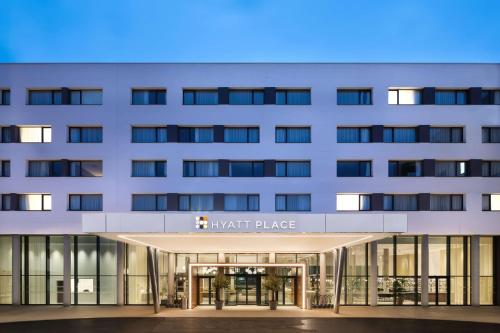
(393, 270)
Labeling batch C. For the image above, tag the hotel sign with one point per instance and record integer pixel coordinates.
(205, 223)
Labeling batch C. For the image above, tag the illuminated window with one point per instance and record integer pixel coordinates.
(35, 134)
(353, 202)
(491, 202)
(405, 96)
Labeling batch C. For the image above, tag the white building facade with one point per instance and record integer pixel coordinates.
(250, 168)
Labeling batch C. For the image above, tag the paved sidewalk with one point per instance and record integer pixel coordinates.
(487, 314)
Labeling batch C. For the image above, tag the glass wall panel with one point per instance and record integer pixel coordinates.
(56, 269)
(163, 272)
(35, 283)
(6, 270)
(458, 274)
(137, 287)
(86, 280)
(385, 264)
(486, 271)
(107, 271)
(356, 283)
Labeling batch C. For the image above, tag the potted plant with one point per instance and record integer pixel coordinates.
(221, 281)
(273, 283)
(400, 288)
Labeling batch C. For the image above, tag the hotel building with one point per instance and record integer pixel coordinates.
(134, 183)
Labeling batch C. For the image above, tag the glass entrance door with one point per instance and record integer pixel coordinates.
(438, 290)
(247, 289)
(206, 290)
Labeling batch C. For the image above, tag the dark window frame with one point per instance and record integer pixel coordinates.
(286, 195)
(157, 167)
(80, 202)
(358, 129)
(194, 92)
(286, 168)
(195, 162)
(358, 162)
(248, 202)
(456, 93)
(192, 130)
(80, 129)
(392, 129)
(450, 198)
(156, 128)
(286, 128)
(488, 96)
(189, 196)
(450, 130)
(398, 167)
(155, 91)
(247, 128)
(417, 208)
(489, 129)
(287, 91)
(253, 91)
(156, 196)
(358, 91)
(5, 94)
(253, 167)
(4, 168)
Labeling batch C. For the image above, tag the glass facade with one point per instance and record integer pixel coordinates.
(6, 270)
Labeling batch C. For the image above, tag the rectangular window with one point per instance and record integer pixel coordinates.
(196, 202)
(400, 202)
(149, 168)
(491, 134)
(246, 169)
(293, 202)
(201, 169)
(86, 97)
(400, 134)
(293, 169)
(149, 202)
(200, 97)
(446, 202)
(491, 169)
(241, 134)
(149, 134)
(195, 134)
(405, 96)
(64, 168)
(353, 202)
(241, 202)
(491, 202)
(55, 97)
(85, 202)
(35, 134)
(4, 97)
(446, 134)
(246, 97)
(293, 134)
(354, 168)
(4, 168)
(405, 169)
(293, 97)
(451, 97)
(451, 168)
(353, 134)
(85, 135)
(45, 97)
(85, 168)
(490, 97)
(149, 97)
(34, 202)
(354, 97)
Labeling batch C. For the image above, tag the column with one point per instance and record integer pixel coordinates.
(67, 270)
(322, 278)
(16, 270)
(221, 258)
(474, 270)
(272, 257)
(153, 277)
(424, 270)
(120, 273)
(171, 278)
(342, 256)
(373, 274)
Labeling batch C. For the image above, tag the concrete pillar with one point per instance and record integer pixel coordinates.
(474, 270)
(322, 278)
(171, 278)
(221, 258)
(153, 277)
(272, 257)
(16, 270)
(373, 274)
(67, 270)
(120, 273)
(342, 256)
(424, 270)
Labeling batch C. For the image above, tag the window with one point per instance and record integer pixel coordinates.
(246, 169)
(85, 202)
(149, 134)
(241, 134)
(451, 97)
(405, 169)
(405, 96)
(293, 97)
(85, 168)
(201, 169)
(45, 97)
(293, 202)
(446, 202)
(451, 168)
(491, 202)
(490, 97)
(490, 169)
(85, 135)
(200, 97)
(491, 134)
(149, 202)
(4, 97)
(149, 168)
(400, 202)
(241, 202)
(74, 97)
(354, 168)
(246, 97)
(353, 134)
(35, 134)
(86, 97)
(27, 202)
(4, 168)
(354, 97)
(196, 202)
(293, 169)
(446, 134)
(353, 202)
(149, 97)
(195, 134)
(293, 134)
(400, 134)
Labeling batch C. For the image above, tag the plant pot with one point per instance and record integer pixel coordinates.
(218, 305)
(273, 305)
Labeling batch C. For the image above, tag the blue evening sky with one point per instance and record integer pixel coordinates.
(249, 30)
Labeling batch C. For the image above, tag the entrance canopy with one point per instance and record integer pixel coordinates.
(206, 232)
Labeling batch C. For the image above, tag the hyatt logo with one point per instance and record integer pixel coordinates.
(202, 222)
